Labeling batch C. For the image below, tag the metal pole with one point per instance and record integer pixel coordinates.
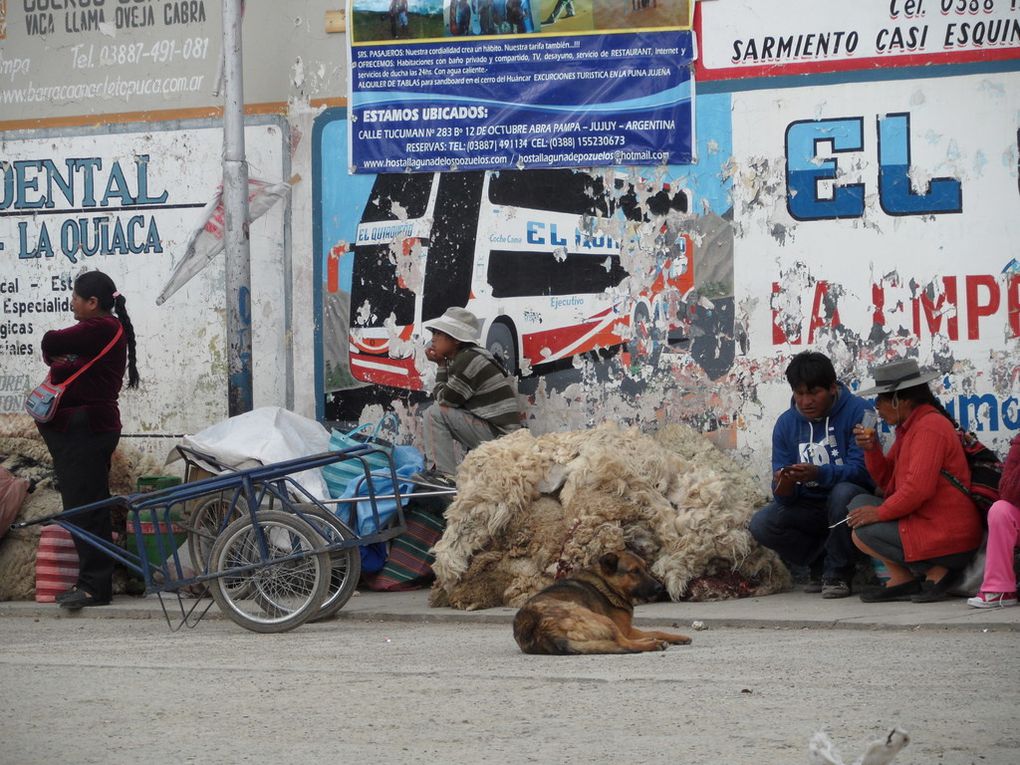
(235, 206)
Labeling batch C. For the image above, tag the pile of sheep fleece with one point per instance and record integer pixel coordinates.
(23, 452)
(530, 509)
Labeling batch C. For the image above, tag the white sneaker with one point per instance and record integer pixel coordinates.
(992, 600)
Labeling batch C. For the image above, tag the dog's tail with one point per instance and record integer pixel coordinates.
(532, 638)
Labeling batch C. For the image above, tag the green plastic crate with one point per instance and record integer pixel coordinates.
(148, 483)
(173, 537)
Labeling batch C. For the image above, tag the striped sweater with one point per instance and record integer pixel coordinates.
(474, 380)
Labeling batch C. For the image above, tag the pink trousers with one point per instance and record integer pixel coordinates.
(1003, 536)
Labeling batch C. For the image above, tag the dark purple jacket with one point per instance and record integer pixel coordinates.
(96, 390)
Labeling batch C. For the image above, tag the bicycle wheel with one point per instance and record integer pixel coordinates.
(346, 561)
(207, 520)
(287, 585)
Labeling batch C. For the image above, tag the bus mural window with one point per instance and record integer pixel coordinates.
(398, 196)
(563, 191)
(525, 274)
(374, 281)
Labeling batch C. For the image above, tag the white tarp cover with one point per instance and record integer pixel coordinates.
(265, 435)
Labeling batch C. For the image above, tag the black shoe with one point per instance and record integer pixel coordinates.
(896, 592)
(814, 584)
(65, 595)
(81, 599)
(933, 592)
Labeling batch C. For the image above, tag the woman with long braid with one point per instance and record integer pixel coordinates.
(923, 527)
(83, 434)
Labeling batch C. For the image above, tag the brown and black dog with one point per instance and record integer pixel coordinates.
(592, 611)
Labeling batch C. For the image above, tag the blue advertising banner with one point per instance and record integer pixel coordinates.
(522, 101)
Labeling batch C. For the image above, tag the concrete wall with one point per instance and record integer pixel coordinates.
(865, 211)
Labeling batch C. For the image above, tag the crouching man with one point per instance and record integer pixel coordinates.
(474, 398)
(817, 468)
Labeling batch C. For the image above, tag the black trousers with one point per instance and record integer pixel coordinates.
(81, 461)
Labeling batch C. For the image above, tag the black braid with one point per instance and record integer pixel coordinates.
(922, 394)
(129, 332)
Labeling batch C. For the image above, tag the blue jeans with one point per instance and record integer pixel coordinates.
(800, 533)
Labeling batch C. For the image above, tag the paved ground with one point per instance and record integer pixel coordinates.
(393, 681)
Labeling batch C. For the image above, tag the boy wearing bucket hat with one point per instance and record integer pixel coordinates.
(923, 525)
(817, 469)
(474, 397)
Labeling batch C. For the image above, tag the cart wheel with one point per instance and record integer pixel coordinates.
(205, 524)
(346, 561)
(276, 595)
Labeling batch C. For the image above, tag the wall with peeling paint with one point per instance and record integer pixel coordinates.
(919, 259)
(910, 248)
(126, 204)
(868, 214)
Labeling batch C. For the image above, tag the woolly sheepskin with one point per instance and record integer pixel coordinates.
(531, 508)
(23, 452)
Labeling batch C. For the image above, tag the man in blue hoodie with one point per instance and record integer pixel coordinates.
(817, 468)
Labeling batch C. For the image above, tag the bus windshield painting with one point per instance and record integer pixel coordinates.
(378, 291)
(534, 254)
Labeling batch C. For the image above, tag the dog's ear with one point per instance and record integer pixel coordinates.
(609, 562)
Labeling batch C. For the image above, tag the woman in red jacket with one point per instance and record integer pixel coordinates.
(923, 525)
(999, 585)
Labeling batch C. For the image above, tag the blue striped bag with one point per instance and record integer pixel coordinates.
(339, 474)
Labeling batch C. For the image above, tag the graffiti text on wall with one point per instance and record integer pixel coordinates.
(88, 195)
(931, 310)
(808, 167)
(43, 17)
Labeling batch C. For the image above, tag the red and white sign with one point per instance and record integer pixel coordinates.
(775, 38)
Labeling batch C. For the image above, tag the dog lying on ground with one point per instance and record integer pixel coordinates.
(592, 611)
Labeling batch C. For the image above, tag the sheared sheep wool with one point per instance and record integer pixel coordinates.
(529, 509)
(23, 452)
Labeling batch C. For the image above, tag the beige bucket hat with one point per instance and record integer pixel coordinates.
(458, 323)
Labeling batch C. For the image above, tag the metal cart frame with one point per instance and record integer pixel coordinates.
(280, 558)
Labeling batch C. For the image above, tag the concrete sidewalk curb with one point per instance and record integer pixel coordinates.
(784, 611)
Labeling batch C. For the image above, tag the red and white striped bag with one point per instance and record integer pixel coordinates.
(56, 563)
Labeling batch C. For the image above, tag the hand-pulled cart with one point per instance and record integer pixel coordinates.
(271, 554)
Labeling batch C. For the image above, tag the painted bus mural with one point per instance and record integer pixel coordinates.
(539, 256)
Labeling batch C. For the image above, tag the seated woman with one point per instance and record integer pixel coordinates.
(923, 525)
(999, 585)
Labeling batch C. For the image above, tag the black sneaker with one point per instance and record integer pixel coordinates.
(835, 588)
(814, 584)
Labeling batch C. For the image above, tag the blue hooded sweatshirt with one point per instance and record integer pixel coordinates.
(827, 442)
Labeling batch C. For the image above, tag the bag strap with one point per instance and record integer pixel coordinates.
(956, 482)
(94, 359)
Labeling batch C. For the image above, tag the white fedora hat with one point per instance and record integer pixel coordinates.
(458, 323)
